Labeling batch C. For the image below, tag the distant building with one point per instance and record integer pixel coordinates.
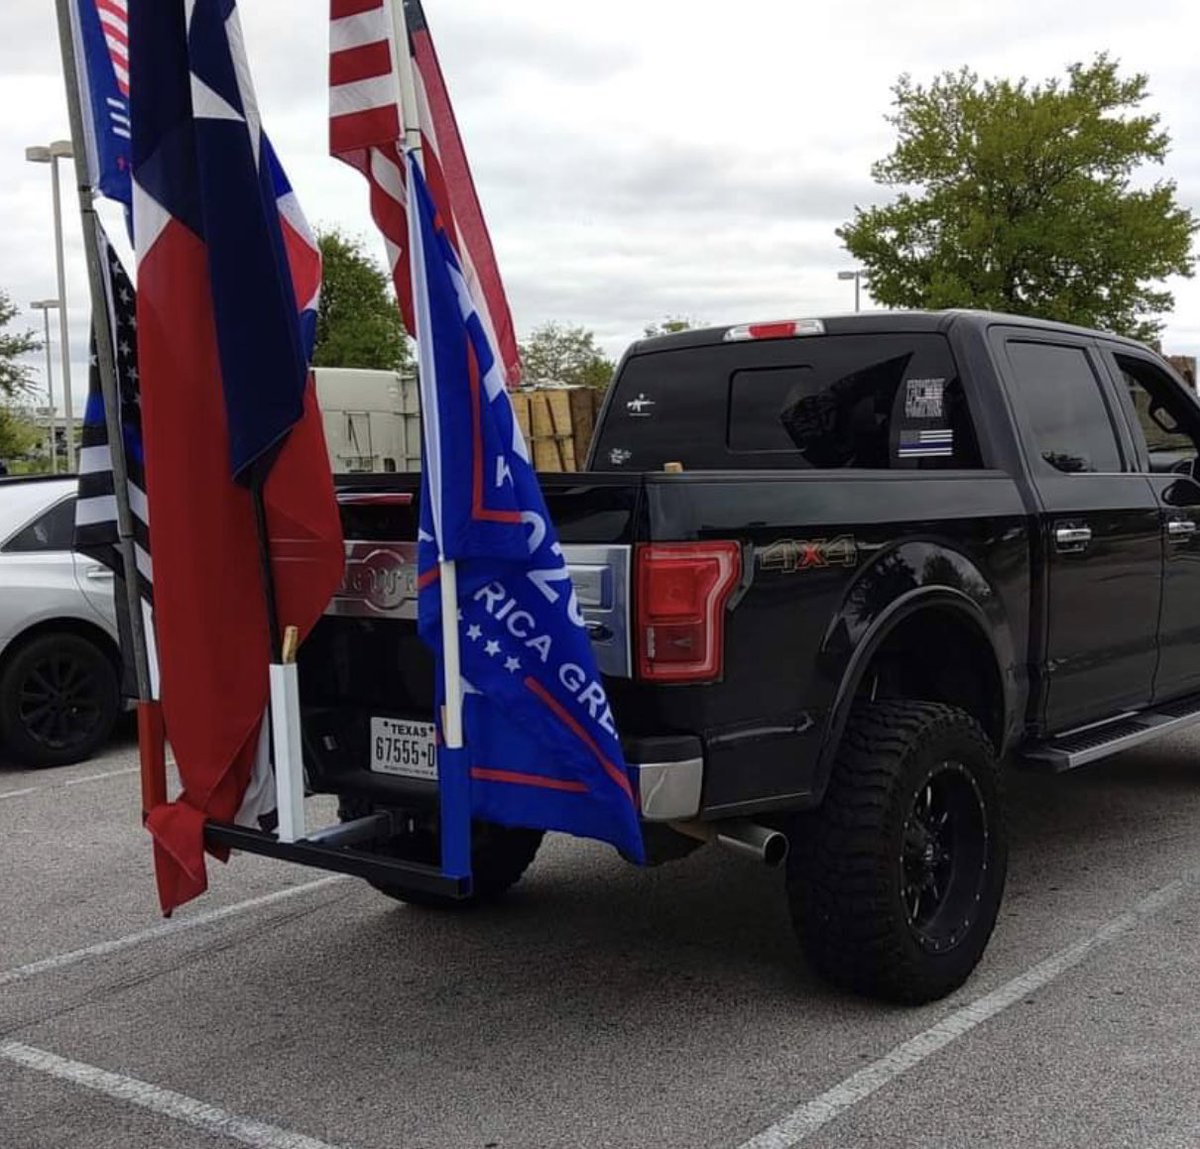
(1186, 366)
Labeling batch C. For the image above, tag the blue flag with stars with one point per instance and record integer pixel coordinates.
(542, 748)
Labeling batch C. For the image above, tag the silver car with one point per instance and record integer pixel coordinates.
(60, 664)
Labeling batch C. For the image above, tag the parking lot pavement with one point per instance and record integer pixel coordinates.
(600, 1005)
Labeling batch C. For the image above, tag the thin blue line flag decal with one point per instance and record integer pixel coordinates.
(541, 743)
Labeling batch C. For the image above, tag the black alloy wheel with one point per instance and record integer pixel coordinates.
(59, 700)
(944, 863)
(895, 880)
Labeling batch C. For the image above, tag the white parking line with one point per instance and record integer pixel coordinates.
(97, 777)
(18, 793)
(77, 781)
(176, 925)
(165, 1102)
(820, 1111)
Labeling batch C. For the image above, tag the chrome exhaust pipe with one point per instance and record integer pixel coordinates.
(754, 841)
(740, 836)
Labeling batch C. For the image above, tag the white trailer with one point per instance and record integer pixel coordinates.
(372, 419)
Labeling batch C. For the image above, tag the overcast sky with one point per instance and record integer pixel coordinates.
(637, 158)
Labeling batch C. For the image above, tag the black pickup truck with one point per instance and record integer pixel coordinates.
(839, 574)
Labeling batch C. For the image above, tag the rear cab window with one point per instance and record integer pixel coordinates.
(861, 401)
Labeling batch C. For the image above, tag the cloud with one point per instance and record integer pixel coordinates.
(638, 158)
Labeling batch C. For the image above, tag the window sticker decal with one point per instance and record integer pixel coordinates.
(926, 444)
(924, 398)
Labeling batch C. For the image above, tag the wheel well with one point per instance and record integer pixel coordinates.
(939, 655)
(77, 626)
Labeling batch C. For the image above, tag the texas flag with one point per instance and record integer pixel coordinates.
(227, 406)
(542, 748)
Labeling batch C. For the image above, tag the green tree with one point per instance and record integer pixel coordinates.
(670, 326)
(1020, 197)
(19, 435)
(558, 354)
(358, 322)
(15, 377)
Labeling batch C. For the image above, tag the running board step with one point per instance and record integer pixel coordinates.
(1078, 747)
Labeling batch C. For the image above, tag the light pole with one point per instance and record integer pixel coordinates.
(857, 275)
(51, 154)
(45, 306)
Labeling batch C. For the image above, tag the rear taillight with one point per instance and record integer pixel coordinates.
(682, 590)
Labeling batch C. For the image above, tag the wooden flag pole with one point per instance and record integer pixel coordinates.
(151, 743)
(454, 780)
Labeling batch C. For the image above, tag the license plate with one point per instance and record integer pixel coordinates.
(405, 748)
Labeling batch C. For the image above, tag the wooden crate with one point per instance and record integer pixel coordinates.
(558, 425)
(585, 407)
(550, 420)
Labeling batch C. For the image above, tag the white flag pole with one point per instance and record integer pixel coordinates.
(447, 572)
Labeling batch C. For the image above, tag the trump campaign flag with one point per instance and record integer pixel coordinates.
(100, 29)
(366, 130)
(227, 405)
(541, 744)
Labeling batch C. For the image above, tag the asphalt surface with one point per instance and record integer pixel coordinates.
(600, 1005)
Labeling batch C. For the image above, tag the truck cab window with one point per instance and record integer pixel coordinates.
(1066, 411)
(1168, 420)
(870, 401)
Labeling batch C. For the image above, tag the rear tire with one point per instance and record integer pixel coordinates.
(59, 700)
(500, 855)
(895, 881)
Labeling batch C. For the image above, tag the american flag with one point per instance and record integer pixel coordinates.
(114, 21)
(96, 506)
(366, 130)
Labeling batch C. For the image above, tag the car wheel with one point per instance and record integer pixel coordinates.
(895, 881)
(59, 700)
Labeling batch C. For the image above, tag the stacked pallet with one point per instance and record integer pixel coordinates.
(557, 424)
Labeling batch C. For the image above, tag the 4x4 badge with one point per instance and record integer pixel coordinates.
(792, 555)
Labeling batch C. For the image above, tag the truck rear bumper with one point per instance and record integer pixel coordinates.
(670, 775)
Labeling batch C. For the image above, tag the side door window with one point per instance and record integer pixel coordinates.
(1167, 419)
(52, 530)
(1067, 413)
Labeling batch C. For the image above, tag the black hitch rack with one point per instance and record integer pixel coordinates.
(332, 849)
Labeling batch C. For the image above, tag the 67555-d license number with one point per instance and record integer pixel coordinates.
(408, 749)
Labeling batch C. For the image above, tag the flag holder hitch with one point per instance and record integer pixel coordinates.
(332, 848)
(324, 851)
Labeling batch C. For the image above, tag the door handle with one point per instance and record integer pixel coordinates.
(1180, 530)
(98, 574)
(1070, 540)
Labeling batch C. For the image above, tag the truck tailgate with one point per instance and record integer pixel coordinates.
(364, 659)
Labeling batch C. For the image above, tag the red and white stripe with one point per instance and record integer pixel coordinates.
(114, 19)
(366, 131)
